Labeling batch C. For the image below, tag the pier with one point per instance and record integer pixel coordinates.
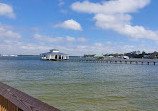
(12, 99)
(116, 61)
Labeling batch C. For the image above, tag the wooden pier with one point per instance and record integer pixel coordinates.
(116, 61)
(14, 100)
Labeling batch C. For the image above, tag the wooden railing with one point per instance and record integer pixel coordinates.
(14, 100)
(6, 105)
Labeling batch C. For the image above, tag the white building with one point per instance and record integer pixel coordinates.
(54, 54)
(146, 56)
(125, 57)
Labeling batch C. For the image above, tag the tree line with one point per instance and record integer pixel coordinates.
(133, 54)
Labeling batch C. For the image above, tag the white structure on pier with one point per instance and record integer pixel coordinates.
(125, 57)
(54, 54)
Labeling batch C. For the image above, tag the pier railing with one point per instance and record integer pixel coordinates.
(126, 61)
(14, 100)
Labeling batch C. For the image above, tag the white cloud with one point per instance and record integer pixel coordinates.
(110, 7)
(138, 32)
(115, 15)
(16, 47)
(108, 42)
(47, 38)
(98, 44)
(6, 10)
(71, 39)
(5, 32)
(103, 48)
(69, 24)
(58, 39)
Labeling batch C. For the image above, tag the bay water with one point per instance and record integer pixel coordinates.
(84, 86)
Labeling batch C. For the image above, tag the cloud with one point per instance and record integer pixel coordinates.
(19, 47)
(71, 39)
(69, 24)
(115, 15)
(58, 39)
(108, 42)
(110, 7)
(102, 48)
(74, 46)
(47, 39)
(6, 10)
(6, 32)
(16, 47)
(120, 24)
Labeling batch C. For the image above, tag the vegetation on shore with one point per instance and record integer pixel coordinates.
(133, 54)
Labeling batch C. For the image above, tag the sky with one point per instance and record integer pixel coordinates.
(78, 27)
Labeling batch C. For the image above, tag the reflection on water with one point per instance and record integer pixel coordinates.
(77, 86)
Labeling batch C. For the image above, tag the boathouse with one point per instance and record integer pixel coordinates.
(54, 54)
(99, 56)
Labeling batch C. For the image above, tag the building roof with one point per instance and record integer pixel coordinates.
(98, 55)
(56, 53)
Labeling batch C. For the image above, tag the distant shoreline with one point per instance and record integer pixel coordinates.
(28, 55)
(19, 55)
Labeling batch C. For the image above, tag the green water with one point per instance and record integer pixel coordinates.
(77, 86)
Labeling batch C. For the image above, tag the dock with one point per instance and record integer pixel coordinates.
(114, 61)
(12, 99)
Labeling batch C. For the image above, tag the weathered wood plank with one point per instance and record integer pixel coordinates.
(22, 100)
(6, 105)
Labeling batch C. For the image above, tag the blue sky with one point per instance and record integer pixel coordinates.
(78, 27)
